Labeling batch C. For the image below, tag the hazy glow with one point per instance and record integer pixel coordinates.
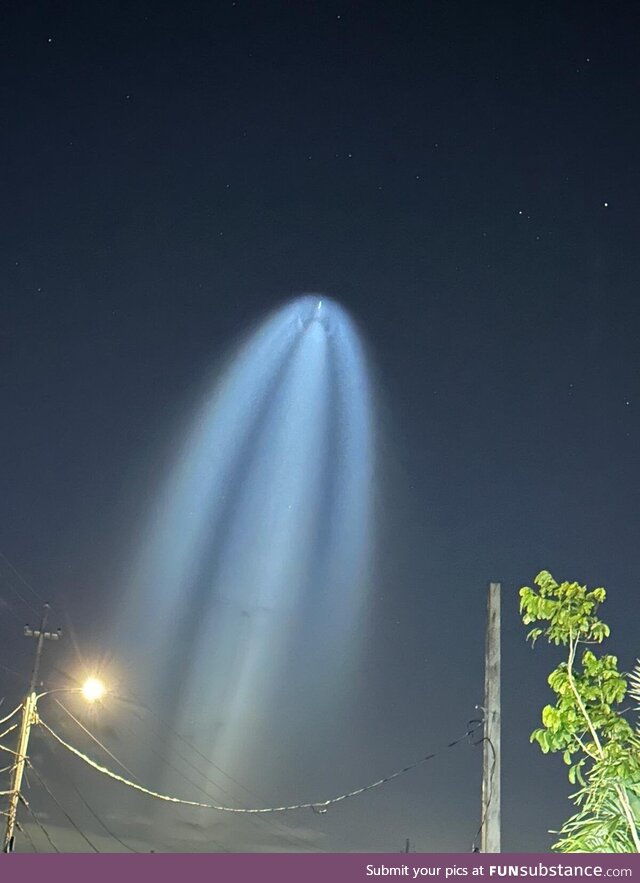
(93, 689)
(258, 555)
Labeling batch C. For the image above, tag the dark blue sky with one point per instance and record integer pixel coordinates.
(463, 178)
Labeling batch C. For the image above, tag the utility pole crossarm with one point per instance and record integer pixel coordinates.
(41, 635)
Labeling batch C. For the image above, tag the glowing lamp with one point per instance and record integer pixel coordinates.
(93, 690)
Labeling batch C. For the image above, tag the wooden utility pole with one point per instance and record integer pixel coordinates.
(29, 717)
(490, 834)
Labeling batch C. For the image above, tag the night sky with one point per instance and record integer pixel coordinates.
(463, 179)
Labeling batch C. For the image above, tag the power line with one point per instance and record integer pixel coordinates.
(150, 747)
(475, 847)
(9, 609)
(95, 738)
(8, 730)
(99, 820)
(104, 748)
(9, 716)
(26, 803)
(27, 835)
(277, 828)
(6, 733)
(9, 750)
(19, 595)
(316, 806)
(199, 787)
(21, 578)
(94, 813)
(12, 671)
(182, 738)
(61, 808)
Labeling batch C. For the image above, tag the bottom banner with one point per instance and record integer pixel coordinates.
(313, 868)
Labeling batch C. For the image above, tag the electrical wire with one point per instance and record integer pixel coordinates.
(9, 716)
(95, 738)
(21, 578)
(12, 671)
(61, 808)
(20, 596)
(27, 835)
(195, 784)
(95, 814)
(207, 760)
(99, 820)
(8, 608)
(27, 805)
(485, 813)
(316, 806)
(278, 829)
(9, 730)
(98, 742)
(9, 750)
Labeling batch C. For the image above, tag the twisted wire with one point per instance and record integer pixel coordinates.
(317, 806)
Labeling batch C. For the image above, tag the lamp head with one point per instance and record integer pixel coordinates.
(93, 689)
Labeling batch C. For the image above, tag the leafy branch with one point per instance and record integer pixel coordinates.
(597, 743)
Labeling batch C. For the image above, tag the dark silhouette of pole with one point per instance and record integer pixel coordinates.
(490, 833)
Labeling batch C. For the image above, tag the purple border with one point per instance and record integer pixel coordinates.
(313, 868)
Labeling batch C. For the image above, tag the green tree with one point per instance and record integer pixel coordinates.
(586, 723)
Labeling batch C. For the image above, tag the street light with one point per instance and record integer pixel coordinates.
(92, 690)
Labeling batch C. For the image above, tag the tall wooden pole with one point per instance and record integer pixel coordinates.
(29, 717)
(490, 835)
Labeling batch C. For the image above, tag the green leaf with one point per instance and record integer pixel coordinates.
(598, 745)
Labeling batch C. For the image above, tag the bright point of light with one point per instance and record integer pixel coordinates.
(93, 689)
